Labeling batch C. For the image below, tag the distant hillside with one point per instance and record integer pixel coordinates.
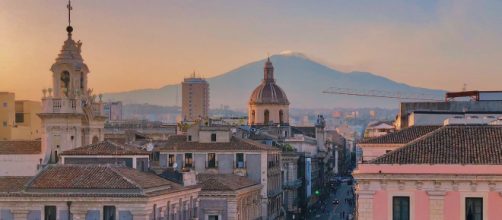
(302, 79)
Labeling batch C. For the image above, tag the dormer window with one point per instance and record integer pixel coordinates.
(213, 137)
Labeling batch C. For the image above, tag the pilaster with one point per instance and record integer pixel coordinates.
(436, 205)
(231, 209)
(365, 204)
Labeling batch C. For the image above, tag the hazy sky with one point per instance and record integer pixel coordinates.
(132, 44)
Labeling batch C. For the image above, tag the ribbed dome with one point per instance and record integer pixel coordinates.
(268, 92)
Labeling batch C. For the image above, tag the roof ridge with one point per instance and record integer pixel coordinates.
(410, 143)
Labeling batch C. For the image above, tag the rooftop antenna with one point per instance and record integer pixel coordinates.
(464, 87)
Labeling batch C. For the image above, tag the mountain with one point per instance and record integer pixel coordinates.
(302, 79)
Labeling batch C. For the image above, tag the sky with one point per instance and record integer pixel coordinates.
(130, 44)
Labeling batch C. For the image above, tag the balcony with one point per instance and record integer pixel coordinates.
(61, 105)
(293, 184)
(211, 164)
(240, 168)
(274, 192)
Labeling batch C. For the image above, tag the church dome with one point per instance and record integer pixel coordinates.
(268, 92)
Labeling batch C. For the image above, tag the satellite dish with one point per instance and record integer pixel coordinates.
(149, 147)
(175, 165)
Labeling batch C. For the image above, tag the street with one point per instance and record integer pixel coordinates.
(342, 211)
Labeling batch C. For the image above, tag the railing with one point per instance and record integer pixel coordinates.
(211, 165)
(292, 184)
(61, 105)
(274, 192)
(56, 105)
(240, 164)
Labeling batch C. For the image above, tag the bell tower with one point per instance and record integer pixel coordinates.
(71, 114)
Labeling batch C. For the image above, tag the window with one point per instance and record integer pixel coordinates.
(401, 208)
(253, 115)
(188, 160)
(213, 137)
(281, 117)
(168, 210)
(211, 160)
(109, 213)
(154, 211)
(82, 80)
(212, 217)
(171, 160)
(473, 208)
(5, 104)
(239, 160)
(189, 137)
(65, 82)
(4, 124)
(19, 117)
(266, 117)
(50, 212)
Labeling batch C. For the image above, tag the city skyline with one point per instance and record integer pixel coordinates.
(454, 42)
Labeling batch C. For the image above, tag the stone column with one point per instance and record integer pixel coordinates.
(436, 204)
(365, 205)
(20, 214)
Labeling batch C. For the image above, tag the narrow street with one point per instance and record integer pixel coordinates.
(341, 211)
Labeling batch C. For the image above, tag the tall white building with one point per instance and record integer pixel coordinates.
(72, 115)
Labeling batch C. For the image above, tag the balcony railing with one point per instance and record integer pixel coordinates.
(211, 164)
(240, 164)
(61, 105)
(292, 184)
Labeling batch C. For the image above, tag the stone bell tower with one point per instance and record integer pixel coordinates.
(71, 114)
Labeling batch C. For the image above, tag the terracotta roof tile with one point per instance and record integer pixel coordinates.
(223, 182)
(402, 136)
(179, 142)
(10, 184)
(454, 144)
(106, 148)
(21, 147)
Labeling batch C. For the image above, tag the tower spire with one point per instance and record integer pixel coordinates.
(268, 71)
(69, 29)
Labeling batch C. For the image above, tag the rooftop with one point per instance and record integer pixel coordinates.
(106, 148)
(88, 181)
(21, 147)
(468, 144)
(402, 136)
(179, 142)
(223, 182)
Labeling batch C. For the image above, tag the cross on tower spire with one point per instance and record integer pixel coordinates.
(69, 29)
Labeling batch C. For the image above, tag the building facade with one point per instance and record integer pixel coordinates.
(214, 150)
(194, 98)
(113, 111)
(88, 192)
(228, 196)
(454, 172)
(18, 118)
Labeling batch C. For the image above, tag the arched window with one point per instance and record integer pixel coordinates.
(253, 116)
(95, 139)
(65, 82)
(281, 117)
(81, 81)
(266, 117)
